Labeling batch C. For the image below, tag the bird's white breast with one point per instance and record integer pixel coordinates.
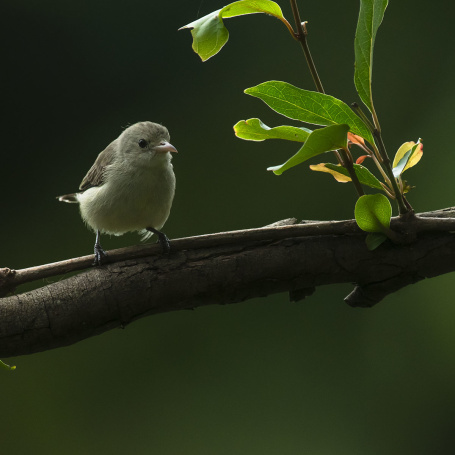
(133, 197)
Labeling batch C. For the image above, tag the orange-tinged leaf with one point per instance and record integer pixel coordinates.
(355, 139)
(361, 159)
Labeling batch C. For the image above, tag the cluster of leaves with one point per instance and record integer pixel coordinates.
(345, 130)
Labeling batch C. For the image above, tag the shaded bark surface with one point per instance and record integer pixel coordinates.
(114, 295)
(213, 269)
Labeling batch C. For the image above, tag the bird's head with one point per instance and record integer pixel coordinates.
(146, 142)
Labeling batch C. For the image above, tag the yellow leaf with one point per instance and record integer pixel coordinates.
(415, 158)
(337, 175)
(402, 151)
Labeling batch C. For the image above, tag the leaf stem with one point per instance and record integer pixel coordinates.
(347, 163)
(289, 27)
(381, 170)
(301, 37)
(338, 157)
(377, 159)
(356, 108)
(402, 206)
(375, 117)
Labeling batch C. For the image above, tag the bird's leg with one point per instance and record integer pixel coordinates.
(162, 238)
(100, 254)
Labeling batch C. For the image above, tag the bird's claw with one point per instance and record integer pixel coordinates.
(100, 256)
(164, 242)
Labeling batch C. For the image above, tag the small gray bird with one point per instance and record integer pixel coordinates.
(130, 187)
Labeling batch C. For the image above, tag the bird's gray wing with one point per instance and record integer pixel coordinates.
(95, 176)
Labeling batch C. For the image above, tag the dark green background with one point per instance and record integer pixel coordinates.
(265, 376)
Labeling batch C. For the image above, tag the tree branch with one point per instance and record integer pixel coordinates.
(218, 268)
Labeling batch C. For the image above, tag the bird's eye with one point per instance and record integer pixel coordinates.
(142, 143)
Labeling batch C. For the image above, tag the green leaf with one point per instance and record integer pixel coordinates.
(364, 175)
(7, 367)
(408, 155)
(254, 130)
(341, 174)
(370, 18)
(373, 240)
(243, 7)
(319, 141)
(307, 106)
(373, 213)
(210, 34)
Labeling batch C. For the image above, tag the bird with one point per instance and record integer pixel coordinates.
(130, 186)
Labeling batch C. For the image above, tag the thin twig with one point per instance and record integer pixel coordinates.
(301, 36)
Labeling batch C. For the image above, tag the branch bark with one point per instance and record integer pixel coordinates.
(217, 268)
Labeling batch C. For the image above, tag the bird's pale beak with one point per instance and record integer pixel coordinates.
(165, 147)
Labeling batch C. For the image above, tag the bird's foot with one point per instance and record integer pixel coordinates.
(100, 255)
(162, 240)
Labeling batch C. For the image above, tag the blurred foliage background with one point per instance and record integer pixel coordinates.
(265, 376)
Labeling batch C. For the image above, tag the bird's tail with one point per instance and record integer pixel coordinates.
(70, 198)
